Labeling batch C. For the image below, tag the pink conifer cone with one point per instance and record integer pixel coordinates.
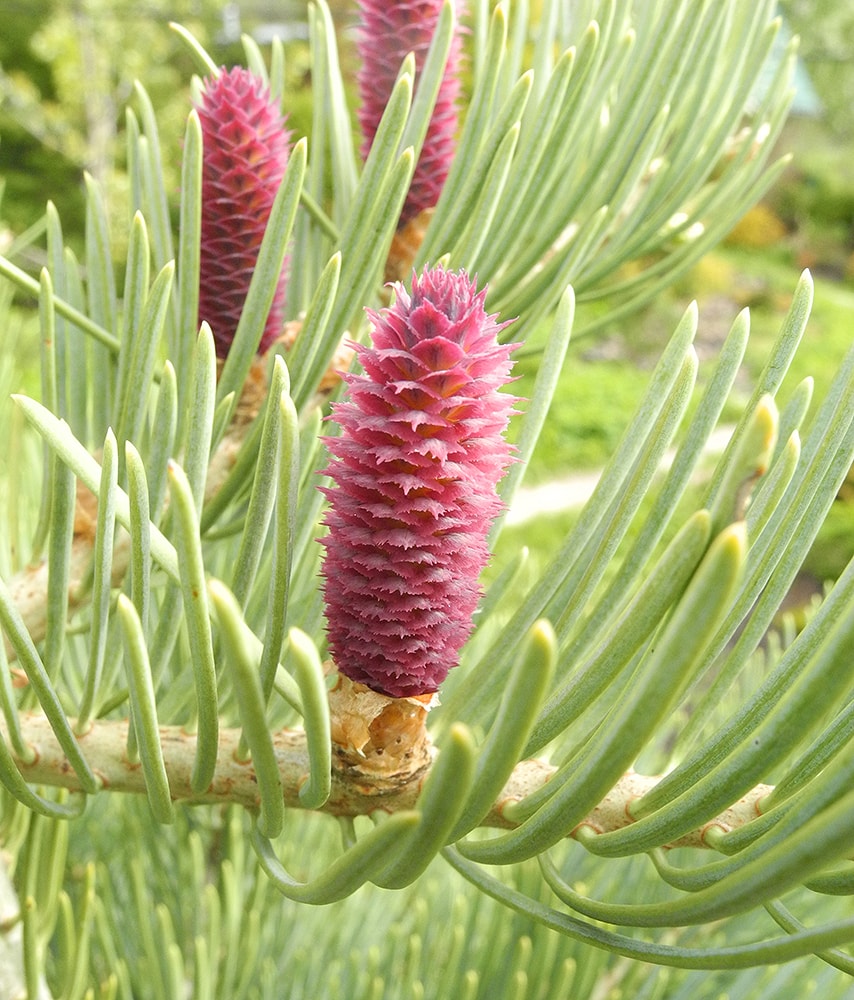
(245, 155)
(415, 471)
(388, 33)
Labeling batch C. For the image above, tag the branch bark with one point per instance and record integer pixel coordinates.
(355, 791)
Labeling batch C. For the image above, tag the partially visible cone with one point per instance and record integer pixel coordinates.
(246, 148)
(388, 33)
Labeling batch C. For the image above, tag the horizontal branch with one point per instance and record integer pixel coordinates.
(354, 792)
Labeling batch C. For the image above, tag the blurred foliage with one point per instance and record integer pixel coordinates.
(67, 70)
(436, 940)
(826, 30)
(759, 228)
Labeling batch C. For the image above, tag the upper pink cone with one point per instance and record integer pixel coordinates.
(388, 33)
(415, 471)
(246, 149)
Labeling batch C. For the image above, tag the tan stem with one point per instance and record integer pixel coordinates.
(354, 792)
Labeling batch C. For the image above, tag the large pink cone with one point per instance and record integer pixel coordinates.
(245, 154)
(415, 470)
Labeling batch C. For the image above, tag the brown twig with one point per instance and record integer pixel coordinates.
(355, 791)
